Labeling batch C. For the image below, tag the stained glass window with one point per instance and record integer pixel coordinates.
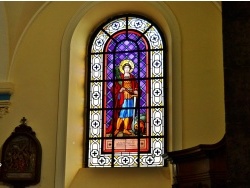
(127, 94)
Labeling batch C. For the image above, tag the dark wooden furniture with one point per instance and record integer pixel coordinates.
(21, 157)
(203, 166)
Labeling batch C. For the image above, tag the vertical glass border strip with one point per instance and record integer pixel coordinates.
(96, 67)
(95, 124)
(157, 92)
(96, 95)
(157, 63)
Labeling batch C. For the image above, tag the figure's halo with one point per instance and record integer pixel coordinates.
(123, 62)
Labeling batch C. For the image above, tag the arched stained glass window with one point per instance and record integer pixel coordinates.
(127, 94)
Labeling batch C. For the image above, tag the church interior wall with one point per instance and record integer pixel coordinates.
(37, 56)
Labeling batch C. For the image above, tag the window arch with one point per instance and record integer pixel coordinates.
(127, 94)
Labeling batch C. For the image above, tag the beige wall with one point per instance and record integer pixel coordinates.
(39, 65)
(202, 72)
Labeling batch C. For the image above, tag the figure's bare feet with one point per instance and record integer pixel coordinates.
(116, 132)
(125, 131)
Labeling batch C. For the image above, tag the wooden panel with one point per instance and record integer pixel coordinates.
(203, 166)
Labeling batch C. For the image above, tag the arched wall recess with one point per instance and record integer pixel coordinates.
(12, 59)
(73, 55)
(7, 60)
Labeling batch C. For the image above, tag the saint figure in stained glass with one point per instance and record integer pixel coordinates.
(125, 94)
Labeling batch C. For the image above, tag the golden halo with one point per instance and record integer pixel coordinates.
(123, 62)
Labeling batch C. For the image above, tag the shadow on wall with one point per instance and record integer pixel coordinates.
(122, 178)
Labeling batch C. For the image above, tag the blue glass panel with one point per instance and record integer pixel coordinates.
(120, 37)
(133, 36)
(126, 46)
(111, 45)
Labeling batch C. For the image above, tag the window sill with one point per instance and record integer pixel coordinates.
(122, 177)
